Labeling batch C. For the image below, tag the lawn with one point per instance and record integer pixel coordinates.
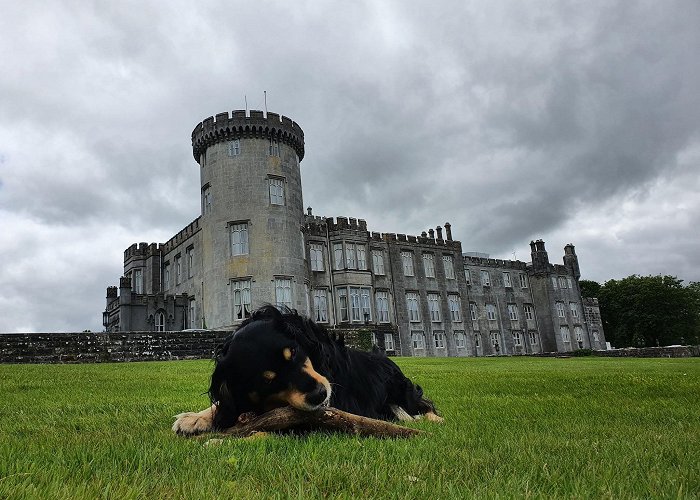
(515, 427)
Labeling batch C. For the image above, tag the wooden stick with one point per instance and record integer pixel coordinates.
(325, 418)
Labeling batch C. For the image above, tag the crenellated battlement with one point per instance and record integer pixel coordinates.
(238, 125)
(494, 263)
(181, 236)
(141, 250)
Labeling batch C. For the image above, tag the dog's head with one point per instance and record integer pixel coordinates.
(268, 364)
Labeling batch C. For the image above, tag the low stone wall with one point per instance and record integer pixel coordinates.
(685, 351)
(108, 347)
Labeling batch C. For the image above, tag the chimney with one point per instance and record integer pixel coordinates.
(448, 231)
(439, 232)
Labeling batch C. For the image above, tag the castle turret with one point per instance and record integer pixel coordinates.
(571, 260)
(252, 214)
(540, 259)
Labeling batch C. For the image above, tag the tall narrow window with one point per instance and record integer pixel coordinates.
(554, 282)
(190, 262)
(460, 339)
(378, 262)
(578, 331)
(382, 307)
(434, 306)
(473, 314)
(160, 321)
(343, 303)
(454, 303)
(166, 276)
(276, 191)
(407, 261)
(338, 255)
(429, 265)
(468, 276)
(561, 312)
(283, 292)
(388, 342)
(361, 257)
(320, 306)
(495, 342)
(506, 280)
(239, 238)
(523, 280)
(274, 147)
(513, 312)
(439, 339)
(412, 307)
(234, 147)
(564, 331)
(365, 295)
(206, 200)
(517, 340)
(241, 299)
(449, 265)
(529, 312)
(350, 255)
(192, 313)
(476, 340)
(138, 281)
(178, 269)
(418, 340)
(533, 338)
(491, 312)
(485, 278)
(355, 304)
(562, 282)
(573, 306)
(316, 254)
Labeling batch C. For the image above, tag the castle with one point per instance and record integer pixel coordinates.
(253, 244)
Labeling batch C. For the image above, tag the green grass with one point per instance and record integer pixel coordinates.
(515, 427)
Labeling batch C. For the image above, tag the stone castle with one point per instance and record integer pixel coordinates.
(253, 244)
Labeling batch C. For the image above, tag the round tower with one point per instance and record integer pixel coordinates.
(252, 214)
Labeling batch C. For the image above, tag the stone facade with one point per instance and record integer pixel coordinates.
(253, 244)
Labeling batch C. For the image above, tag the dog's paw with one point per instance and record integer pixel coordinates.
(190, 423)
(432, 417)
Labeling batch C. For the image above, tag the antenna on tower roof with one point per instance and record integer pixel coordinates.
(246, 104)
(265, 92)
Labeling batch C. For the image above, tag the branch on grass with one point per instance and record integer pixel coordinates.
(288, 418)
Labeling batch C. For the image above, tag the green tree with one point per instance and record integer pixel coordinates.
(650, 311)
(589, 288)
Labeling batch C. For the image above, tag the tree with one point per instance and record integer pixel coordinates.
(650, 311)
(589, 288)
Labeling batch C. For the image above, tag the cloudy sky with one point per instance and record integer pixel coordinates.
(568, 121)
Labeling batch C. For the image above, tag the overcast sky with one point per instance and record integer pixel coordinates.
(567, 121)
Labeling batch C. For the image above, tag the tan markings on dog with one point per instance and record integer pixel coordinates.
(432, 417)
(292, 397)
(287, 353)
(269, 375)
(308, 368)
(191, 423)
(254, 397)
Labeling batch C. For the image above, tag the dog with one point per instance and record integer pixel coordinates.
(280, 358)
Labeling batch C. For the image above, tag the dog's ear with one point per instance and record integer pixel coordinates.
(221, 395)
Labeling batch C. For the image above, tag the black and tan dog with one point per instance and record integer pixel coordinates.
(277, 359)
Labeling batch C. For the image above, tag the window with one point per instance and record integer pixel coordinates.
(138, 281)
(523, 280)
(439, 339)
(491, 312)
(434, 306)
(529, 312)
(366, 301)
(513, 312)
(206, 200)
(382, 307)
(495, 341)
(320, 312)
(562, 281)
(178, 269)
(429, 265)
(388, 342)
(473, 311)
(283, 292)
(569, 283)
(564, 331)
(407, 260)
(448, 263)
(485, 278)
(343, 304)
(596, 338)
(160, 321)
(338, 255)
(506, 280)
(476, 340)
(241, 299)
(274, 147)
(361, 257)
(203, 159)
(578, 332)
(166, 276)
(355, 314)
(561, 313)
(350, 255)
(418, 340)
(234, 147)
(378, 261)
(533, 338)
(517, 342)
(192, 311)
(412, 306)
(239, 238)
(276, 191)
(574, 309)
(554, 282)
(460, 340)
(453, 302)
(190, 262)
(316, 254)
(468, 276)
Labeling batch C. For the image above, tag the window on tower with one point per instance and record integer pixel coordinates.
(276, 191)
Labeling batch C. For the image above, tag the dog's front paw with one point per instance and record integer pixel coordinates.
(190, 423)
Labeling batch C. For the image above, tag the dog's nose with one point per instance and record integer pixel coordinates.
(317, 397)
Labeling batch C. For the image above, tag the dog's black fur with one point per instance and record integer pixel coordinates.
(279, 358)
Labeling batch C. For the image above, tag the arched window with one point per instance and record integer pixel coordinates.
(160, 321)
